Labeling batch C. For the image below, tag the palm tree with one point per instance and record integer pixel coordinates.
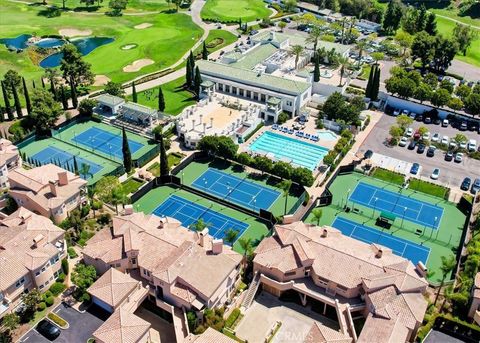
(447, 293)
(85, 170)
(231, 235)
(118, 197)
(448, 264)
(285, 187)
(317, 214)
(297, 51)
(361, 47)
(314, 37)
(246, 245)
(91, 194)
(343, 63)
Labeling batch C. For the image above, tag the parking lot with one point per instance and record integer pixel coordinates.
(451, 173)
(82, 325)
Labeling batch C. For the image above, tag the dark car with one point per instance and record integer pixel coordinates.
(421, 149)
(368, 154)
(427, 120)
(414, 169)
(412, 145)
(449, 156)
(437, 121)
(466, 184)
(473, 126)
(476, 186)
(48, 330)
(431, 151)
(419, 117)
(463, 126)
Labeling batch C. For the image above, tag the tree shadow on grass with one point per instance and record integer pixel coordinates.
(86, 9)
(473, 12)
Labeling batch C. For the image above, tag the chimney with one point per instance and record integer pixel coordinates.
(203, 237)
(128, 209)
(53, 188)
(217, 246)
(37, 239)
(324, 233)
(62, 178)
(421, 269)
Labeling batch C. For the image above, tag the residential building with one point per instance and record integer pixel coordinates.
(322, 265)
(474, 312)
(184, 270)
(31, 248)
(49, 190)
(9, 159)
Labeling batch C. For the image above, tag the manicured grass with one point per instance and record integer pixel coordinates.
(229, 11)
(174, 159)
(388, 176)
(176, 97)
(216, 40)
(133, 6)
(131, 185)
(57, 320)
(148, 203)
(365, 72)
(428, 188)
(443, 242)
(195, 169)
(154, 43)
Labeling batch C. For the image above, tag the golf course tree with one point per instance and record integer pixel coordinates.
(117, 6)
(16, 100)
(134, 93)
(127, 156)
(12, 79)
(464, 35)
(51, 75)
(45, 111)
(164, 169)
(63, 98)
(197, 83)
(86, 106)
(190, 71)
(6, 102)
(161, 100)
(115, 89)
(76, 71)
(28, 104)
(204, 51)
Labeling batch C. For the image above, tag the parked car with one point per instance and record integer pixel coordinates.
(427, 120)
(476, 186)
(472, 145)
(426, 136)
(368, 154)
(458, 157)
(406, 112)
(409, 132)
(421, 148)
(473, 126)
(396, 112)
(412, 115)
(48, 330)
(412, 145)
(445, 122)
(437, 121)
(431, 151)
(419, 117)
(444, 140)
(463, 145)
(415, 168)
(435, 137)
(465, 186)
(452, 146)
(449, 156)
(435, 174)
(463, 126)
(403, 141)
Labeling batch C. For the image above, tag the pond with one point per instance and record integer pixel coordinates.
(19, 42)
(84, 46)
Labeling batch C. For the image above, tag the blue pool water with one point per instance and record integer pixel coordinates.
(326, 135)
(84, 46)
(50, 43)
(301, 153)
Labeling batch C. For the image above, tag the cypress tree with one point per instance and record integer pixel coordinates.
(192, 69)
(188, 74)
(198, 81)
(316, 71)
(161, 100)
(204, 51)
(164, 170)
(371, 78)
(127, 156)
(43, 82)
(134, 93)
(240, 23)
(18, 105)
(64, 98)
(74, 95)
(6, 100)
(376, 84)
(27, 97)
(75, 165)
(53, 89)
(33, 84)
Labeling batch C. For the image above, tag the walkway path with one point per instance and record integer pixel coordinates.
(457, 21)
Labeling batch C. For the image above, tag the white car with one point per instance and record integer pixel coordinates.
(444, 140)
(472, 145)
(445, 122)
(403, 141)
(458, 157)
(435, 174)
(413, 115)
(409, 132)
(406, 112)
(435, 137)
(463, 145)
(452, 145)
(426, 136)
(396, 112)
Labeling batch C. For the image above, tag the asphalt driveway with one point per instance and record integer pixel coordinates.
(82, 325)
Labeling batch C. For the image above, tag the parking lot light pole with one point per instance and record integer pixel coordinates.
(434, 225)
(374, 207)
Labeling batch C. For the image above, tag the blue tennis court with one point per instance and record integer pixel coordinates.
(414, 210)
(410, 250)
(106, 142)
(189, 213)
(50, 154)
(248, 194)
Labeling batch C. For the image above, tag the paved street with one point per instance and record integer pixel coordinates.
(451, 173)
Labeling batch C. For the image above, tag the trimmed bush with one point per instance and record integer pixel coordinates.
(232, 318)
(49, 301)
(41, 306)
(57, 320)
(71, 252)
(65, 267)
(57, 288)
(61, 278)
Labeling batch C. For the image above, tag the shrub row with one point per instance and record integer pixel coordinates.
(232, 318)
(57, 320)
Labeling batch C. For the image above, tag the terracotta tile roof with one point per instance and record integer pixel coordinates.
(211, 336)
(105, 247)
(8, 151)
(322, 334)
(122, 327)
(113, 287)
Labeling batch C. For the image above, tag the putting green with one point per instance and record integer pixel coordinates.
(228, 10)
(154, 42)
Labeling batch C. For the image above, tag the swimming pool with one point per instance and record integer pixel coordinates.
(327, 135)
(301, 153)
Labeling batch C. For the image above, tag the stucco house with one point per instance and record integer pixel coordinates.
(9, 160)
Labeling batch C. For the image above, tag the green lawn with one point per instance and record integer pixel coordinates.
(428, 188)
(133, 6)
(131, 185)
(229, 11)
(154, 43)
(442, 242)
(195, 169)
(148, 203)
(216, 40)
(388, 176)
(176, 97)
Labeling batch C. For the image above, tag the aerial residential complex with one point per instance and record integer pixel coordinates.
(218, 171)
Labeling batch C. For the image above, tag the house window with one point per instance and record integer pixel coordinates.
(289, 103)
(43, 269)
(37, 273)
(134, 261)
(20, 282)
(41, 286)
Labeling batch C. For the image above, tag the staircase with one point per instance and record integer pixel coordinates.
(252, 290)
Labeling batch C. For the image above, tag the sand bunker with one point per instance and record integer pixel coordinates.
(74, 32)
(128, 46)
(137, 65)
(143, 26)
(101, 80)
